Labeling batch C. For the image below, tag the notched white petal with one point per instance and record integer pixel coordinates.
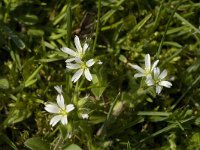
(88, 74)
(154, 64)
(78, 60)
(70, 107)
(70, 60)
(163, 74)
(77, 44)
(64, 120)
(147, 61)
(72, 66)
(85, 46)
(138, 68)
(90, 62)
(60, 101)
(166, 84)
(85, 116)
(68, 51)
(100, 62)
(158, 89)
(52, 108)
(156, 72)
(77, 75)
(137, 75)
(55, 120)
(149, 81)
(58, 89)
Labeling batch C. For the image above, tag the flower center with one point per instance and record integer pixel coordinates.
(157, 81)
(63, 112)
(80, 54)
(83, 65)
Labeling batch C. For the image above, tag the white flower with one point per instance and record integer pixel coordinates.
(60, 110)
(69, 135)
(58, 89)
(100, 62)
(148, 68)
(83, 67)
(158, 80)
(85, 116)
(80, 51)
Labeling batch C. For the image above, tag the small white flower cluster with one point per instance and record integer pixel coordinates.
(60, 109)
(153, 75)
(79, 64)
(76, 62)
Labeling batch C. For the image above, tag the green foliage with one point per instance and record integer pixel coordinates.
(73, 147)
(123, 112)
(37, 143)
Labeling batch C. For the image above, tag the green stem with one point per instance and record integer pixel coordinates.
(69, 24)
(97, 27)
(76, 92)
(56, 147)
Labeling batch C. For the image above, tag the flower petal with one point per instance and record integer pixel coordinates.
(88, 74)
(147, 61)
(100, 62)
(137, 75)
(77, 75)
(69, 107)
(154, 64)
(78, 60)
(70, 60)
(165, 84)
(163, 74)
(149, 81)
(85, 46)
(158, 89)
(58, 89)
(138, 68)
(72, 66)
(64, 120)
(90, 62)
(60, 101)
(156, 72)
(77, 44)
(85, 116)
(55, 120)
(52, 108)
(68, 51)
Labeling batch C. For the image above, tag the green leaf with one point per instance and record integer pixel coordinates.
(5, 138)
(19, 43)
(170, 43)
(35, 32)
(29, 19)
(97, 119)
(14, 37)
(36, 143)
(31, 79)
(141, 24)
(153, 113)
(98, 89)
(187, 23)
(194, 142)
(73, 147)
(17, 116)
(4, 84)
(123, 58)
